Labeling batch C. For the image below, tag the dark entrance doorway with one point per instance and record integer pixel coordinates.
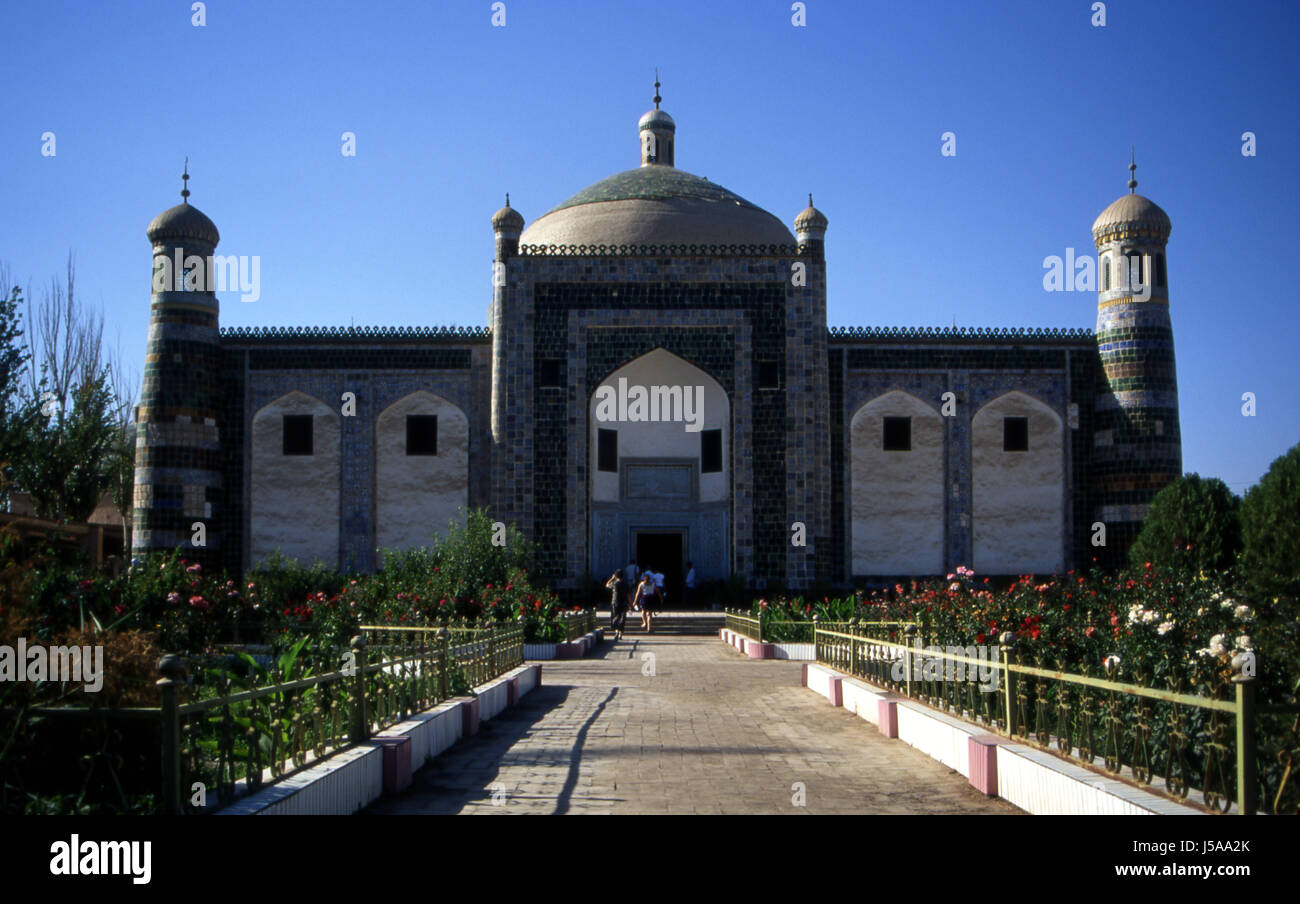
(663, 552)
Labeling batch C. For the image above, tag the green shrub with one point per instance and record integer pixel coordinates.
(1270, 516)
(1193, 523)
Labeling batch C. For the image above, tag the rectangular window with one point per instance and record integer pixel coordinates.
(607, 450)
(898, 434)
(297, 434)
(422, 434)
(549, 370)
(769, 375)
(710, 451)
(1015, 434)
(1160, 270)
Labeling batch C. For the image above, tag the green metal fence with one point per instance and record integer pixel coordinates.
(1209, 738)
(576, 624)
(763, 628)
(242, 739)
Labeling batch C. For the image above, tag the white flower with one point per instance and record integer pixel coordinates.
(1204, 651)
(1165, 627)
(1243, 642)
(1200, 611)
(1244, 612)
(1228, 603)
(1111, 660)
(1150, 617)
(1216, 645)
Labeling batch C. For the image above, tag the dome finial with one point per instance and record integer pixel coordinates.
(657, 97)
(185, 182)
(507, 199)
(810, 203)
(1132, 171)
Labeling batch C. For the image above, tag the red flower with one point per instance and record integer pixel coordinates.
(979, 638)
(1090, 631)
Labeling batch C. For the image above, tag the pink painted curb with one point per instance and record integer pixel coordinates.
(761, 651)
(983, 751)
(888, 716)
(836, 690)
(512, 691)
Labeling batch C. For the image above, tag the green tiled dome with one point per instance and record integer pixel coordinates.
(656, 205)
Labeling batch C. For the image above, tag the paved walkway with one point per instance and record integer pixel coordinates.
(680, 724)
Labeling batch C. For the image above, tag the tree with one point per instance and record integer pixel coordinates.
(17, 414)
(73, 464)
(74, 439)
(1270, 516)
(1194, 522)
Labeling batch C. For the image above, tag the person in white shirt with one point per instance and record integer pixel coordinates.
(645, 596)
(659, 589)
(690, 585)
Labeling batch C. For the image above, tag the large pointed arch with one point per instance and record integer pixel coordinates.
(662, 439)
(662, 489)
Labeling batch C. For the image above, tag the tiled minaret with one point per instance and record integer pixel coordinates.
(178, 434)
(510, 467)
(808, 461)
(1137, 443)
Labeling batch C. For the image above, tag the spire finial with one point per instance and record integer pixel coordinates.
(507, 199)
(810, 203)
(1132, 171)
(185, 182)
(657, 97)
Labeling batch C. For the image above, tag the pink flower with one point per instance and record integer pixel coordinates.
(173, 598)
(195, 568)
(199, 602)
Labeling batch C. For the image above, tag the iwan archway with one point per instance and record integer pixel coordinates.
(659, 470)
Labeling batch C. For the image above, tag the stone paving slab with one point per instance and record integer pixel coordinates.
(679, 724)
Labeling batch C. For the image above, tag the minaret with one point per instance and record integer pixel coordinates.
(657, 131)
(810, 230)
(1137, 442)
(178, 450)
(508, 349)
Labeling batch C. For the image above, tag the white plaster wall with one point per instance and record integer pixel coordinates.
(294, 499)
(898, 525)
(1018, 498)
(662, 439)
(417, 495)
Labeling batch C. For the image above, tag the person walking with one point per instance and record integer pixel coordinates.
(645, 601)
(617, 604)
(689, 600)
(660, 596)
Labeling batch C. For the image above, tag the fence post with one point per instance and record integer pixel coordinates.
(909, 632)
(444, 664)
(853, 645)
(172, 669)
(360, 719)
(1247, 779)
(1009, 659)
(762, 619)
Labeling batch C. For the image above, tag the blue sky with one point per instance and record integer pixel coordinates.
(450, 113)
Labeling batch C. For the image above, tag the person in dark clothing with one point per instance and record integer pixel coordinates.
(617, 604)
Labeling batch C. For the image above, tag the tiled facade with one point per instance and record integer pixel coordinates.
(751, 317)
